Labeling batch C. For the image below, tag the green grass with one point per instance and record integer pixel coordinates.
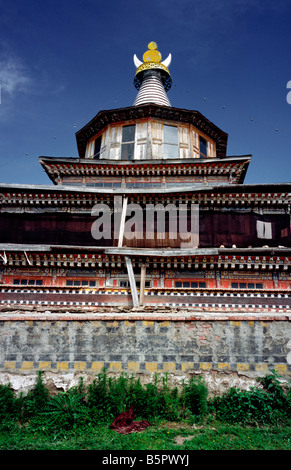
(160, 436)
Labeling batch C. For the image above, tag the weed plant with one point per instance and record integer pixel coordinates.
(270, 404)
(106, 397)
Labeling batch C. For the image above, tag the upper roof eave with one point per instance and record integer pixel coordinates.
(105, 117)
(46, 162)
(47, 159)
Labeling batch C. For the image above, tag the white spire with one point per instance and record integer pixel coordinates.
(152, 91)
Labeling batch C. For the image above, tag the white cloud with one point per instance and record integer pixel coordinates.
(13, 76)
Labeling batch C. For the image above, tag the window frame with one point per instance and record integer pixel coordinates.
(127, 144)
(169, 145)
(201, 154)
(96, 155)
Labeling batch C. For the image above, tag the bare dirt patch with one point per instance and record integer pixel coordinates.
(179, 440)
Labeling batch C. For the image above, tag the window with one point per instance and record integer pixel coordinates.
(124, 284)
(97, 147)
(264, 229)
(81, 283)
(243, 285)
(146, 284)
(187, 284)
(170, 142)
(127, 146)
(203, 147)
(29, 282)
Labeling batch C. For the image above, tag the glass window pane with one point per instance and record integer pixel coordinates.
(170, 151)
(203, 146)
(127, 151)
(97, 147)
(128, 133)
(171, 135)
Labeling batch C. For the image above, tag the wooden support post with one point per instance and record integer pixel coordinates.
(132, 281)
(122, 222)
(142, 284)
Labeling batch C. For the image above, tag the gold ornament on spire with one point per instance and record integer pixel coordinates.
(152, 55)
(152, 59)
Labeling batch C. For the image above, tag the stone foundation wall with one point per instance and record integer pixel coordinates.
(228, 350)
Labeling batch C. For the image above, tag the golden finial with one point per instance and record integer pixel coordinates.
(152, 58)
(152, 54)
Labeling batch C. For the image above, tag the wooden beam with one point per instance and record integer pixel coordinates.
(142, 284)
(132, 281)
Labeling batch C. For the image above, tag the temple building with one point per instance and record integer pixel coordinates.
(153, 212)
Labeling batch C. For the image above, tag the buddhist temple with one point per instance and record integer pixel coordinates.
(153, 212)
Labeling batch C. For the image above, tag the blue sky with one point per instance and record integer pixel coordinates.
(62, 61)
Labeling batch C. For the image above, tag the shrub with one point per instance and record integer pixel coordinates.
(117, 394)
(37, 398)
(66, 410)
(9, 405)
(194, 397)
(160, 400)
(267, 405)
(136, 397)
(106, 397)
(99, 400)
(237, 406)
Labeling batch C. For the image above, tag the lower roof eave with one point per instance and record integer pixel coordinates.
(197, 188)
(148, 252)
